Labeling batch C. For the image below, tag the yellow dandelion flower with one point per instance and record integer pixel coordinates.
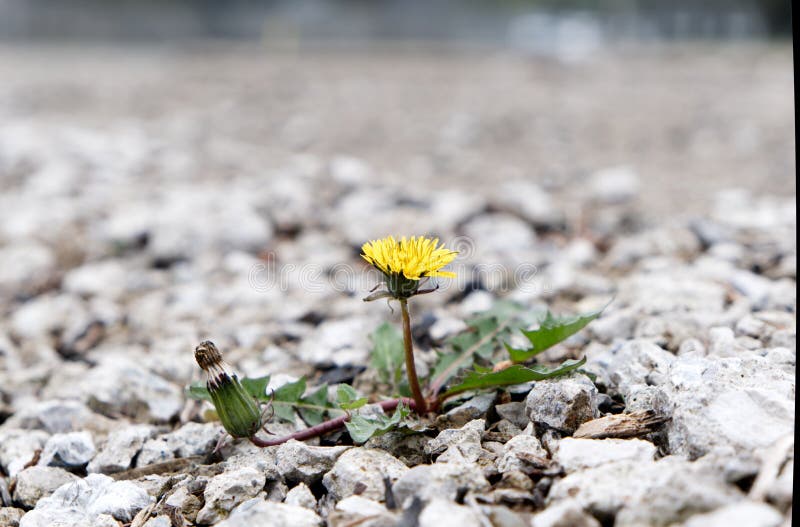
(404, 262)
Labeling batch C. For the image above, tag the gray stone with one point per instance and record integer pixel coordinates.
(32, 263)
(575, 454)
(565, 513)
(338, 342)
(70, 450)
(466, 439)
(227, 490)
(514, 412)
(360, 506)
(158, 521)
(270, 514)
(81, 502)
(298, 462)
(183, 497)
(48, 314)
(301, 496)
(106, 278)
(438, 512)
(10, 516)
(59, 416)
(529, 201)
(614, 185)
(645, 492)
(564, 403)
(710, 397)
(446, 327)
(475, 408)
(744, 514)
(192, 439)
(364, 470)
(439, 480)
(17, 448)
(120, 448)
(524, 444)
(119, 385)
(634, 363)
(34, 483)
(723, 342)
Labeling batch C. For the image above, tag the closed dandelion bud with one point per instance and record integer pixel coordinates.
(237, 409)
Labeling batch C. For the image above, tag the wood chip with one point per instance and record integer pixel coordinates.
(634, 424)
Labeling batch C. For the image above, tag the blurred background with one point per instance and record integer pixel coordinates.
(153, 154)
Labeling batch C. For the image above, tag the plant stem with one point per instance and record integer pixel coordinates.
(327, 426)
(411, 370)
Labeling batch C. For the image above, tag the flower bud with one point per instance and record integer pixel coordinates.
(237, 409)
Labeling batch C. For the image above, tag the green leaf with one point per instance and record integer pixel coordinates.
(347, 398)
(361, 428)
(286, 397)
(516, 374)
(257, 387)
(550, 332)
(314, 407)
(197, 390)
(388, 354)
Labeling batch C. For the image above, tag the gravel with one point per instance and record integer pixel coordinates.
(187, 208)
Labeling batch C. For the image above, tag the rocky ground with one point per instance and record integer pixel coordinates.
(152, 199)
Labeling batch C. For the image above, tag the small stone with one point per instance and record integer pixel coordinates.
(362, 471)
(745, 514)
(270, 514)
(514, 412)
(475, 408)
(439, 480)
(119, 385)
(575, 454)
(183, 497)
(529, 201)
(614, 185)
(468, 437)
(227, 490)
(106, 278)
(440, 512)
(17, 448)
(301, 496)
(58, 416)
(10, 516)
(563, 403)
(299, 462)
(723, 342)
(34, 483)
(70, 450)
(446, 327)
(192, 439)
(635, 363)
(158, 521)
(408, 448)
(711, 396)
(338, 342)
(565, 513)
(360, 506)
(84, 500)
(752, 326)
(349, 170)
(120, 449)
(517, 449)
(32, 261)
(105, 520)
(643, 492)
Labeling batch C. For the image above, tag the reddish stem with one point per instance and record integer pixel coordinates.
(411, 369)
(327, 426)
